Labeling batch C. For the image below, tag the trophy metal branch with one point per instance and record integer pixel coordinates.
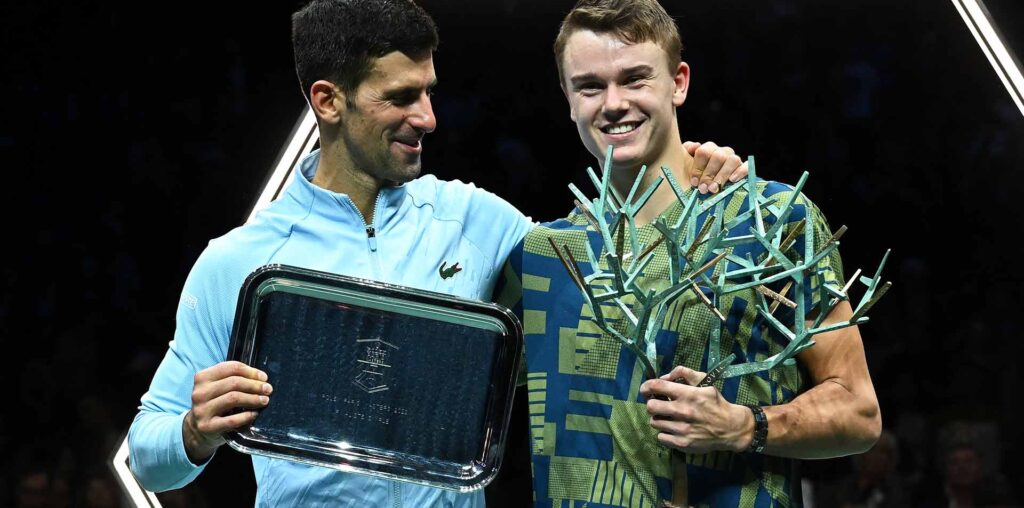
(617, 278)
(616, 272)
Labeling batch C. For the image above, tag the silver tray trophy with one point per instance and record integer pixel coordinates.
(377, 379)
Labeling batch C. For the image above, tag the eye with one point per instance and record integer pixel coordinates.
(589, 89)
(404, 98)
(635, 79)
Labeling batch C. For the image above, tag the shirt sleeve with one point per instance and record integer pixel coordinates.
(830, 268)
(509, 293)
(203, 321)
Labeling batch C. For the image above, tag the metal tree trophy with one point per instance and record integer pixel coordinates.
(616, 279)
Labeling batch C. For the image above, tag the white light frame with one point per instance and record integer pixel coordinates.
(1007, 67)
(303, 138)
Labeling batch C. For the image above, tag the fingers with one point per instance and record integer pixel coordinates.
(713, 166)
(221, 391)
(677, 442)
(227, 369)
(219, 414)
(664, 408)
(712, 178)
(656, 388)
(211, 390)
(221, 424)
(230, 401)
(716, 162)
(685, 375)
(740, 173)
(729, 168)
(701, 158)
(668, 426)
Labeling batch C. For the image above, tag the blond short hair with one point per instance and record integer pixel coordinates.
(634, 21)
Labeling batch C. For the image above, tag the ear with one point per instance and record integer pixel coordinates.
(327, 101)
(682, 84)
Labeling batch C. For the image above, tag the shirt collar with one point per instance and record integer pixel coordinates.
(337, 205)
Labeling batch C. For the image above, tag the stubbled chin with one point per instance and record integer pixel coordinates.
(408, 173)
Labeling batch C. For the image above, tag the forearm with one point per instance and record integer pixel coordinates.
(157, 454)
(839, 414)
(829, 420)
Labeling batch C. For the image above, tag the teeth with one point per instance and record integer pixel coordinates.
(621, 128)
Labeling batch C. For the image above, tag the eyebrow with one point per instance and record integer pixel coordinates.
(590, 76)
(410, 88)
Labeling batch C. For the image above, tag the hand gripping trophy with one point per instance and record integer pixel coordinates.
(704, 259)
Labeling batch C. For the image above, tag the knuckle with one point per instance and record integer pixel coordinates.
(203, 425)
(199, 396)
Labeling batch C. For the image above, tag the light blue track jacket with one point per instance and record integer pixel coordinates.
(416, 227)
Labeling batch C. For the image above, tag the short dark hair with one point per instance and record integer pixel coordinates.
(634, 21)
(338, 40)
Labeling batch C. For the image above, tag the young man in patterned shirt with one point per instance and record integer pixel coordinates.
(601, 433)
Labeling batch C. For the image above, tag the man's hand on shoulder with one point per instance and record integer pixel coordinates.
(218, 394)
(713, 166)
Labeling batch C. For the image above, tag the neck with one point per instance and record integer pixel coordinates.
(677, 160)
(337, 173)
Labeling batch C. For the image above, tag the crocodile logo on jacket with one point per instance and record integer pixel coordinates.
(447, 273)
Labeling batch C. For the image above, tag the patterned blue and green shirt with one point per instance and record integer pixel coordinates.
(591, 442)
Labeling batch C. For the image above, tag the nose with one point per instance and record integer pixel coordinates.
(422, 116)
(615, 102)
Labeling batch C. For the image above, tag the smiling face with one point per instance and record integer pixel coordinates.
(385, 118)
(623, 95)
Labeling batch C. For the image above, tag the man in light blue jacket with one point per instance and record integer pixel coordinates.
(356, 207)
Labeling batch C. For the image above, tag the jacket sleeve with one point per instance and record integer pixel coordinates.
(203, 323)
(496, 226)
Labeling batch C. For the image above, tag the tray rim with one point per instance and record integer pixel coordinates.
(372, 461)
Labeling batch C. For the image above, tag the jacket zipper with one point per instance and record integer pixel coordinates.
(371, 234)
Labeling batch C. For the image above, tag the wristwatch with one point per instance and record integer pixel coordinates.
(760, 430)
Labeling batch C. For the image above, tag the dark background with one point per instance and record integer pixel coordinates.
(132, 134)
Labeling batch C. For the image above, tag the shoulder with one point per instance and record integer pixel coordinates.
(229, 259)
(570, 231)
(454, 199)
(779, 194)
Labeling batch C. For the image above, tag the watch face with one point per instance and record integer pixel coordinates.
(377, 379)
